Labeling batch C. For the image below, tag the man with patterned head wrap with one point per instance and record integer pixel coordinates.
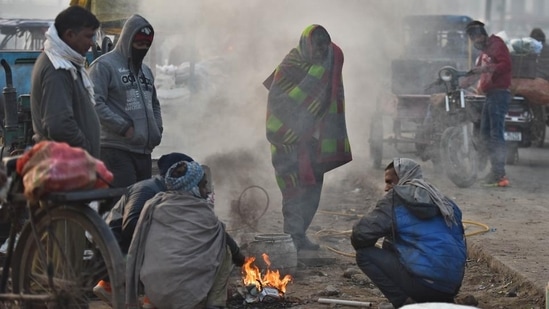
(423, 255)
(306, 127)
(181, 251)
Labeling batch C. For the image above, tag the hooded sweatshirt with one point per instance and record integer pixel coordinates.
(126, 97)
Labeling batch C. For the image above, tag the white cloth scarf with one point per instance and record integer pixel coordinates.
(62, 56)
(409, 173)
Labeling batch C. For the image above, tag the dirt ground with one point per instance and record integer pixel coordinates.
(487, 284)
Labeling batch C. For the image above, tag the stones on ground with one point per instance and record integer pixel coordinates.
(468, 300)
(330, 290)
(361, 279)
(349, 272)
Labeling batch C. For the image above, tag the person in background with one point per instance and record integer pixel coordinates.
(62, 94)
(494, 67)
(306, 127)
(62, 103)
(543, 58)
(127, 105)
(423, 254)
(180, 251)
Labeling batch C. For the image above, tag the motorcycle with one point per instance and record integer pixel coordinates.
(452, 127)
(524, 127)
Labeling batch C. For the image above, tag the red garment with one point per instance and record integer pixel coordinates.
(497, 59)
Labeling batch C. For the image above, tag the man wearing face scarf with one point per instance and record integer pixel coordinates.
(494, 67)
(181, 251)
(62, 97)
(423, 255)
(306, 127)
(127, 105)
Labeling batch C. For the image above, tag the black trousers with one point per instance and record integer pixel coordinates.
(383, 267)
(127, 167)
(300, 207)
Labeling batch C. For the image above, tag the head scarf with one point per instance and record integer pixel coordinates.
(189, 181)
(167, 160)
(62, 56)
(306, 48)
(409, 173)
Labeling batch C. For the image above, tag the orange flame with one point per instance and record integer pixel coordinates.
(252, 275)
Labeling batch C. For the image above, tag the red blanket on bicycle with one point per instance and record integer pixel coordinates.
(52, 167)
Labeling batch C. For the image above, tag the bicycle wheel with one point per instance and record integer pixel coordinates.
(63, 257)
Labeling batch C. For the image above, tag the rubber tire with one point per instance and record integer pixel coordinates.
(376, 140)
(458, 173)
(512, 156)
(104, 246)
(538, 126)
(106, 45)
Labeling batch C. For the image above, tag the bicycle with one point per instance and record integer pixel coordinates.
(58, 248)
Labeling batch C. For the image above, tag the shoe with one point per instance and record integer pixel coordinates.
(497, 182)
(147, 303)
(304, 243)
(103, 291)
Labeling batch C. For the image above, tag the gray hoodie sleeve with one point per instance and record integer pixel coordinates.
(102, 76)
(374, 225)
(157, 111)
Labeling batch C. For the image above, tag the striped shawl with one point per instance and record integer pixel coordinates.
(306, 115)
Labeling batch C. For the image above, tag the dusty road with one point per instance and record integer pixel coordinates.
(508, 267)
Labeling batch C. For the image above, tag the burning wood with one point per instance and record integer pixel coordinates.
(260, 287)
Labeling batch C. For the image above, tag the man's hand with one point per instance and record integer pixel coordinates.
(239, 259)
(129, 133)
(478, 70)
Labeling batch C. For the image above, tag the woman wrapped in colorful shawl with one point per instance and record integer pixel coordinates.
(306, 127)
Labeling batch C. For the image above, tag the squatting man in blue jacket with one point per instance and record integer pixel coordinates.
(423, 254)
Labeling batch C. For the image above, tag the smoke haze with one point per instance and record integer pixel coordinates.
(248, 39)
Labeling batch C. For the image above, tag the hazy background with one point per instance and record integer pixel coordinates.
(249, 38)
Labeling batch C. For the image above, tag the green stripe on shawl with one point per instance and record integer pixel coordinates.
(308, 30)
(273, 124)
(328, 145)
(297, 94)
(317, 71)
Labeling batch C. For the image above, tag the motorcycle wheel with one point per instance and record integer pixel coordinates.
(538, 126)
(512, 156)
(461, 167)
(376, 140)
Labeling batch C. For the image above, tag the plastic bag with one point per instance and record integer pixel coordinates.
(53, 167)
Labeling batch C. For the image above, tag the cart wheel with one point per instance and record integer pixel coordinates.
(512, 154)
(106, 45)
(376, 140)
(538, 126)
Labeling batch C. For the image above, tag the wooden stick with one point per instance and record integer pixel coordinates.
(344, 302)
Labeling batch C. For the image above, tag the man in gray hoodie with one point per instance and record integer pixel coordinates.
(127, 105)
